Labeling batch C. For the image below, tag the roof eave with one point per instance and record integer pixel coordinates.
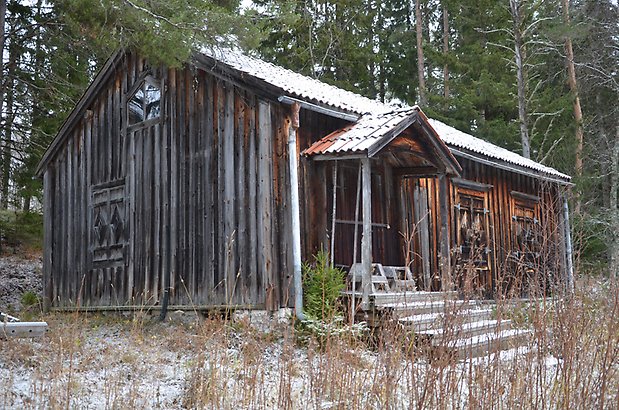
(229, 73)
(85, 100)
(511, 167)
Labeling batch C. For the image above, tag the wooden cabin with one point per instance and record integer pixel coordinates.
(204, 187)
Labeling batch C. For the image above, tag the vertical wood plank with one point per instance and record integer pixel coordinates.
(264, 196)
(446, 279)
(241, 202)
(48, 237)
(229, 235)
(174, 136)
(256, 285)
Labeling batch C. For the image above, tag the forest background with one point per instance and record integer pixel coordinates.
(538, 77)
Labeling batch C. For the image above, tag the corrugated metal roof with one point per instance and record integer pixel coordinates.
(296, 84)
(377, 118)
(360, 136)
(456, 138)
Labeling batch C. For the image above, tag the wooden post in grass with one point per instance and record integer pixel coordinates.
(446, 280)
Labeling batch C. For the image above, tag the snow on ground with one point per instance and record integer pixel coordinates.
(131, 360)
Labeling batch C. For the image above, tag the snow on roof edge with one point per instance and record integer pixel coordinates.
(456, 138)
(296, 84)
(306, 87)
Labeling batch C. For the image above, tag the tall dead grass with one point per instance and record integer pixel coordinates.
(570, 361)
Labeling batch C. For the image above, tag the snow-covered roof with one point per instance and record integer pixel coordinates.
(455, 138)
(362, 135)
(377, 119)
(295, 84)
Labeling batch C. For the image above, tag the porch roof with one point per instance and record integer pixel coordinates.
(373, 132)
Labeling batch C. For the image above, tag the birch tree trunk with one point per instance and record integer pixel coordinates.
(445, 50)
(420, 59)
(3, 81)
(9, 116)
(614, 208)
(571, 79)
(520, 76)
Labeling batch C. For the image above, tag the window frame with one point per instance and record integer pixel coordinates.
(145, 79)
(529, 203)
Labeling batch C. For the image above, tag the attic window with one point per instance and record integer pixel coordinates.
(145, 102)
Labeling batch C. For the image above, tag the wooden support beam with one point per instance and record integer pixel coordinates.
(444, 258)
(416, 172)
(366, 237)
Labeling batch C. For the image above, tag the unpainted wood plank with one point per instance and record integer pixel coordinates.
(174, 179)
(264, 197)
(229, 176)
(192, 170)
(166, 251)
(158, 148)
(210, 173)
(146, 211)
(241, 198)
(256, 285)
(200, 185)
(220, 249)
(444, 232)
(83, 210)
(48, 237)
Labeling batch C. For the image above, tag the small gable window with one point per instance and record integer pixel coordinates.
(145, 102)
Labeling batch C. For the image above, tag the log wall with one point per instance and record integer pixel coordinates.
(200, 193)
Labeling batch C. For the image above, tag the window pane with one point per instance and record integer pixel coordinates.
(136, 108)
(152, 101)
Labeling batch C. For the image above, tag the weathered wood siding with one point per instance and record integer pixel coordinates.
(201, 193)
(410, 205)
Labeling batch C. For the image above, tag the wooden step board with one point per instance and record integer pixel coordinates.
(488, 343)
(382, 299)
(464, 331)
(402, 309)
(435, 320)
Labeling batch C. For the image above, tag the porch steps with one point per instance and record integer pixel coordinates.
(454, 328)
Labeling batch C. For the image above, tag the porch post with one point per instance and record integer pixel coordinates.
(568, 246)
(444, 258)
(366, 237)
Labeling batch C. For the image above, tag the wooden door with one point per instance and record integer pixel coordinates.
(526, 245)
(473, 264)
(416, 229)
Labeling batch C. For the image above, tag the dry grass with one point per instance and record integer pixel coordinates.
(116, 361)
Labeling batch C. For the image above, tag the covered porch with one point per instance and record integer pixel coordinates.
(387, 201)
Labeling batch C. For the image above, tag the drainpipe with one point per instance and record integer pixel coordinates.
(294, 210)
(568, 246)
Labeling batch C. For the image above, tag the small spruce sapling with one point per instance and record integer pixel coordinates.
(322, 284)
